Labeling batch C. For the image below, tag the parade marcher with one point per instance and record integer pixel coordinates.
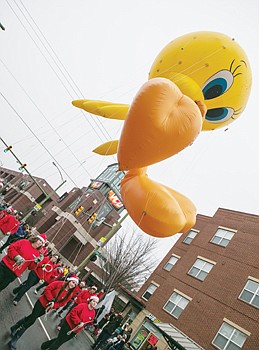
(85, 295)
(42, 271)
(8, 224)
(21, 233)
(82, 297)
(46, 250)
(74, 322)
(20, 255)
(55, 295)
(77, 291)
(55, 275)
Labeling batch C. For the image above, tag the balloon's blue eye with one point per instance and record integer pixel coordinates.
(218, 84)
(219, 115)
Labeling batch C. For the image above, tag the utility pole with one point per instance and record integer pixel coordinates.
(47, 196)
(99, 244)
(18, 160)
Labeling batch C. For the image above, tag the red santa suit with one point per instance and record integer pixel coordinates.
(26, 250)
(80, 313)
(52, 292)
(9, 224)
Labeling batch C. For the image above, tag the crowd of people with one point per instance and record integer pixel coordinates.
(59, 287)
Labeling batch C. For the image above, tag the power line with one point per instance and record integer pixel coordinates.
(20, 117)
(93, 120)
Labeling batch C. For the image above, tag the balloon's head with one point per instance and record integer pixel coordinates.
(209, 67)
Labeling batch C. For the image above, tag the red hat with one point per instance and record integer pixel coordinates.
(95, 298)
(42, 237)
(93, 287)
(73, 278)
(10, 210)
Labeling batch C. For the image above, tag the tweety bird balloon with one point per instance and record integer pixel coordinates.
(200, 81)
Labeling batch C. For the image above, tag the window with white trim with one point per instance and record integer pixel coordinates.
(200, 269)
(222, 237)
(150, 291)
(229, 338)
(250, 293)
(171, 262)
(176, 304)
(190, 237)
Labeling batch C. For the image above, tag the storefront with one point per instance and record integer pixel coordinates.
(146, 335)
(153, 333)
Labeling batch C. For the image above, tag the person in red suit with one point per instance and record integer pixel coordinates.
(85, 295)
(82, 297)
(74, 323)
(43, 271)
(8, 224)
(55, 295)
(56, 274)
(77, 291)
(20, 255)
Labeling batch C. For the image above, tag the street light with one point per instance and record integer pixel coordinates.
(58, 171)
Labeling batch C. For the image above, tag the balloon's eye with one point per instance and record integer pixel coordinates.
(219, 115)
(218, 84)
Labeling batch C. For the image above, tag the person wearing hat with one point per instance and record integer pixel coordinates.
(85, 295)
(77, 291)
(42, 272)
(55, 295)
(74, 323)
(55, 275)
(20, 255)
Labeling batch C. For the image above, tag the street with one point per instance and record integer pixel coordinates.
(40, 331)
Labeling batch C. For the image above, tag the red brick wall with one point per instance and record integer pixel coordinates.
(217, 296)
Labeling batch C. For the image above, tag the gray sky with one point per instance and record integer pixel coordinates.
(55, 51)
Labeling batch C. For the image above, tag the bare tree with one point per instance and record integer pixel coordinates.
(129, 260)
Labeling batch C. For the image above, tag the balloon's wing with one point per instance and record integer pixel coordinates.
(107, 149)
(104, 109)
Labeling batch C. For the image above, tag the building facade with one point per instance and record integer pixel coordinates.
(74, 222)
(205, 292)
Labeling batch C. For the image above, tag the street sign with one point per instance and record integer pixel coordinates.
(37, 207)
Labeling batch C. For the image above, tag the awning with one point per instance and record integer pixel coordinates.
(175, 338)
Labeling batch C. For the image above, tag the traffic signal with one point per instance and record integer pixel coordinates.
(92, 218)
(78, 210)
(22, 167)
(8, 149)
(93, 257)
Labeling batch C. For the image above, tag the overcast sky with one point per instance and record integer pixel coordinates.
(55, 51)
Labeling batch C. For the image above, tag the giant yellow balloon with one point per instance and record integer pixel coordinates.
(199, 81)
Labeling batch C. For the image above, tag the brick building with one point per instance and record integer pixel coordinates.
(205, 292)
(77, 220)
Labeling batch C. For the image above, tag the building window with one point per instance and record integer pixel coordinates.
(229, 337)
(222, 237)
(200, 269)
(250, 293)
(189, 238)
(150, 291)
(176, 304)
(171, 262)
